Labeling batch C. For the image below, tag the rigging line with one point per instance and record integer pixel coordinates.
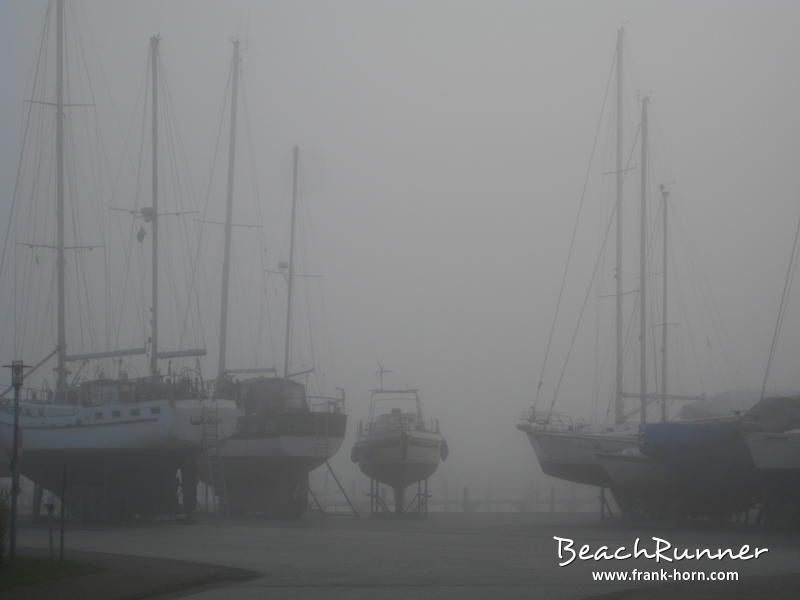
(690, 331)
(718, 325)
(141, 95)
(168, 258)
(123, 295)
(312, 251)
(633, 315)
(83, 20)
(787, 285)
(209, 188)
(29, 106)
(257, 193)
(306, 295)
(80, 273)
(264, 310)
(182, 183)
(583, 308)
(705, 298)
(581, 203)
(96, 166)
(627, 169)
(136, 294)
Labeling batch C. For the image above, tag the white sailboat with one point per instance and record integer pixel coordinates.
(565, 449)
(568, 450)
(119, 442)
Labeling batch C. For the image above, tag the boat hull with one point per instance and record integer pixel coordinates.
(266, 471)
(775, 452)
(572, 456)
(634, 472)
(119, 460)
(399, 459)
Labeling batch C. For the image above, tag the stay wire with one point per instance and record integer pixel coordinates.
(787, 286)
(581, 204)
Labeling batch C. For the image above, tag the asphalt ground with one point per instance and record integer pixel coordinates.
(447, 555)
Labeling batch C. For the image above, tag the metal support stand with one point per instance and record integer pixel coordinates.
(36, 507)
(63, 512)
(216, 471)
(17, 375)
(377, 504)
(341, 489)
(316, 502)
(419, 503)
(605, 507)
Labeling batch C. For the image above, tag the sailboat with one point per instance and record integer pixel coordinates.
(567, 449)
(578, 452)
(398, 447)
(117, 443)
(282, 434)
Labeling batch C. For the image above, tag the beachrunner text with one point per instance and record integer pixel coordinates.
(660, 550)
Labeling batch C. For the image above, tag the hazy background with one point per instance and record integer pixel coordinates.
(444, 146)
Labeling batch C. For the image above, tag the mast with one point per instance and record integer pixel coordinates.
(619, 408)
(664, 197)
(223, 330)
(643, 270)
(61, 369)
(154, 303)
(289, 283)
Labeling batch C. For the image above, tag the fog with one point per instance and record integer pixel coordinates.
(443, 151)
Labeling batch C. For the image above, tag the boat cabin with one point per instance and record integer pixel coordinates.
(272, 395)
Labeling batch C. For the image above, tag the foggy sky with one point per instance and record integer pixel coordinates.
(444, 146)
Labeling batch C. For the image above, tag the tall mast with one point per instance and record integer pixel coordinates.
(290, 281)
(154, 304)
(223, 328)
(619, 408)
(664, 197)
(61, 369)
(643, 270)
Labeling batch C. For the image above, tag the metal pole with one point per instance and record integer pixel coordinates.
(226, 262)
(50, 508)
(643, 270)
(664, 197)
(341, 489)
(61, 368)
(289, 283)
(619, 408)
(17, 367)
(154, 302)
(63, 511)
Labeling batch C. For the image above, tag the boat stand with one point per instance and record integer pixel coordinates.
(317, 503)
(419, 503)
(377, 501)
(605, 507)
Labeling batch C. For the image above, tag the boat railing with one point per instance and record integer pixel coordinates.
(551, 421)
(326, 404)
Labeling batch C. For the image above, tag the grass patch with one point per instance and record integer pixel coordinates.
(23, 570)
